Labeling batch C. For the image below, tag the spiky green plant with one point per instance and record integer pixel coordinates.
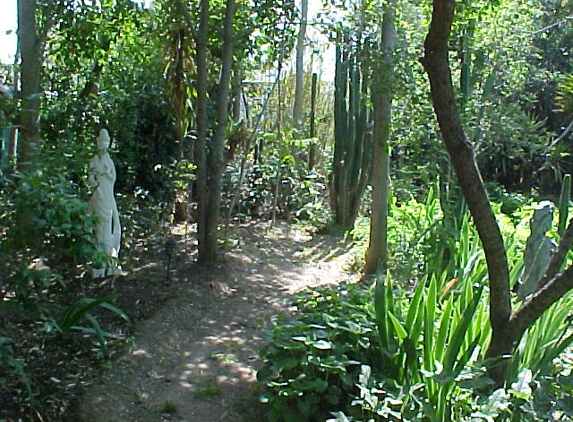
(80, 310)
(425, 342)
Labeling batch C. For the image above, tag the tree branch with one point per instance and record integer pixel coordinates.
(187, 16)
(560, 137)
(436, 63)
(559, 256)
(540, 301)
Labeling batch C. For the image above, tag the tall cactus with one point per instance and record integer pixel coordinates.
(352, 136)
(564, 200)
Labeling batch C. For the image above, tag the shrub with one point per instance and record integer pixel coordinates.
(43, 209)
(312, 363)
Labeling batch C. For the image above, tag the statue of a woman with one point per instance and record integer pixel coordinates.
(108, 229)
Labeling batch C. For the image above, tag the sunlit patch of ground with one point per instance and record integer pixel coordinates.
(197, 356)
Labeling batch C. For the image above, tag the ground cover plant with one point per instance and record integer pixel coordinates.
(412, 346)
(312, 363)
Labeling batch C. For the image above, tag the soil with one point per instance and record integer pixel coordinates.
(193, 351)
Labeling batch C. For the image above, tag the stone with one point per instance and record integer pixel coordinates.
(538, 251)
(107, 232)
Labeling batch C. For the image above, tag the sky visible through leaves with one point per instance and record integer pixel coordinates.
(8, 38)
(7, 30)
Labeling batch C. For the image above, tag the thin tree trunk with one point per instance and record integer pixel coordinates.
(299, 67)
(312, 129)
(201, 147)
(31, 45)
(377, 253)
(436, 63)
(179, 88)
(92, 84)
(208, 251)
(246, 154)
(12, 147)
(31, 53)
(237, 94)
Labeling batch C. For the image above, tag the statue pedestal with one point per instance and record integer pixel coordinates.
(107, 272)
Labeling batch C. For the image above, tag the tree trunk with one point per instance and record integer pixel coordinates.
(461, 153)
(239, 107)
(507, 327)
(31, 50)
(12, 143)
(202, 123)
(377, 253)
(299, 67)
(31, 53)
(208, 249)
(312, 126)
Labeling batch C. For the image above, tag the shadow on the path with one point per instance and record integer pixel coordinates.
(196, 358)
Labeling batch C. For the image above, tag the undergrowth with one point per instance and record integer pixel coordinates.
(411, 346)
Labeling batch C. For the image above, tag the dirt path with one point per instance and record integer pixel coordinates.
(195, 360)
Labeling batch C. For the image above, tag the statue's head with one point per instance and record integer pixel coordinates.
(543, 216)
(103, 139)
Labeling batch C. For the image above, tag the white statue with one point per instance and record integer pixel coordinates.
(108, 229)
(538, 251)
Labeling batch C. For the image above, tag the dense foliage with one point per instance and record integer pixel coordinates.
(352, 352)
(412, 348)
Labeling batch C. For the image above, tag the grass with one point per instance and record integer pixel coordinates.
(208, 392)
(169, 408)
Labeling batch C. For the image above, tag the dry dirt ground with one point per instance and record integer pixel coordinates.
(195, 355)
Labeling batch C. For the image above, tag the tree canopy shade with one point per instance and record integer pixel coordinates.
(187, 86)
(507, 326)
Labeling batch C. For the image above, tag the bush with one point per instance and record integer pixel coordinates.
(279, 182)
(47, 210)
(312, 364)
(45, 219)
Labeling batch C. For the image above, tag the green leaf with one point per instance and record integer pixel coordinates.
(264, 373)
(100, 335)
(398, 328)
(115, 310)
(497, 402)
(446, 322)
(564, 203)
(381, 312)
(320, 385)
(79, 309)
(322, 345)
(459, 334)
(522, 388)
(414, 310)
(340, 417)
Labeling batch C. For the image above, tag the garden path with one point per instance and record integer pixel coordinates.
(196, 358)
